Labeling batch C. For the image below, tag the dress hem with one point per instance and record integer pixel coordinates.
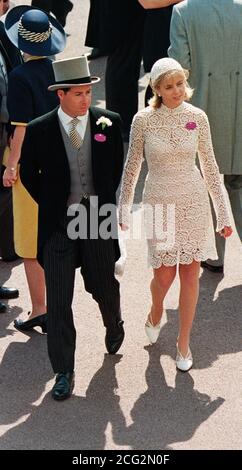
(194, 258)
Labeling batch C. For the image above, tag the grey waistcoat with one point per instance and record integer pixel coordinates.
(80, 166)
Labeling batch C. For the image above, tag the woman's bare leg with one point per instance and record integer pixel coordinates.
(189, 290)
(36, 283)
(160, 284)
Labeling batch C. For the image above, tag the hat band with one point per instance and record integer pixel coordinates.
(74, 81)
(32, 36)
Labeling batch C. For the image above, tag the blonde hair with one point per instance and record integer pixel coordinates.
(156, 100)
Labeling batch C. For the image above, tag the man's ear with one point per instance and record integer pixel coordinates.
(59, 93)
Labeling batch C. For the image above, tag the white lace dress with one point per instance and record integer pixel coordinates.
(170, 139)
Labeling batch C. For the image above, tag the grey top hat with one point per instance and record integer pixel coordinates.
(72, 72)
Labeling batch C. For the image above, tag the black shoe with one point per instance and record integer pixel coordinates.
(213, 269)
(64, 384)
(95, 54)
(40, 320)
(3, 308)
(114, 338)
(8, 293)
(10, 259)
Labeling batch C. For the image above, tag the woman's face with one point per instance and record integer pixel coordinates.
(172, 89)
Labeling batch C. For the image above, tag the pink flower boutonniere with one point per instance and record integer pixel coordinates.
(104, 122)
(100, 137)
(190, 126)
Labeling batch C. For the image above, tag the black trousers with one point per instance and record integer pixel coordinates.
(122, 75)
(6, 223)
(6, 206)
(60, 8)
(97, 259)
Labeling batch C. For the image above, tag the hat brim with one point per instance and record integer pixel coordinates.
(58, 86)
(57, 40)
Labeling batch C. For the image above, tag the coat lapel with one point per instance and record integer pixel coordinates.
(57, 150)
(97, 148)
(52, 128)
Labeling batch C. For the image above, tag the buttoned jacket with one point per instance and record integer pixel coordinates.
(45, 172)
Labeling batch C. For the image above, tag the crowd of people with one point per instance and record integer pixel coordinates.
(61, 157)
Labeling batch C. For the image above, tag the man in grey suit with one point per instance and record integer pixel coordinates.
(206, 39)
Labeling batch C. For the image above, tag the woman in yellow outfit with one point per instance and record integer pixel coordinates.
(38, 35)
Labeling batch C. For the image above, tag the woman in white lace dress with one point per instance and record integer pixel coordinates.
(171, 132)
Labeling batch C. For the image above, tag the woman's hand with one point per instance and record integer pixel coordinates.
(150, 4)
(226, 232)
(9, 176)
(124, 227)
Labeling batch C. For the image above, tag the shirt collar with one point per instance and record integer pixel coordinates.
(66, 119)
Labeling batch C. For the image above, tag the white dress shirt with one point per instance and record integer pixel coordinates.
(65, 120)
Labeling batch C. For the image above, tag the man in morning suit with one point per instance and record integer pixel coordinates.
(67, 158)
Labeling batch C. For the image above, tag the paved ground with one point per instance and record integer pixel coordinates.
(136, 399)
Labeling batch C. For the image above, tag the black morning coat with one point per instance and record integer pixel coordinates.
(44, 168)
(111, 21)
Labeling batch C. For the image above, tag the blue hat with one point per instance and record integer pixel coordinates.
(34, 31)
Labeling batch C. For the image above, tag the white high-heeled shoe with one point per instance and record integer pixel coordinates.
(184, 363)
(152, 331)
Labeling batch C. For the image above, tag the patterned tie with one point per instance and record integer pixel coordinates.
(75, 137)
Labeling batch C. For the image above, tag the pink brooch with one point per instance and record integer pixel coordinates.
(100, 137)
(190, 126)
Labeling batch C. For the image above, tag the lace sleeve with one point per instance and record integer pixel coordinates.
(131, 169)
(211, 174)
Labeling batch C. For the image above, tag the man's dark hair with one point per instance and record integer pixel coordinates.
(64, 89)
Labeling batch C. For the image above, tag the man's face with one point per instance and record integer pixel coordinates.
(76, 101)
(5, 6)
(1, 7)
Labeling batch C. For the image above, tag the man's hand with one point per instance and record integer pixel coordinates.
(226, 232)
(150, 4)
(124, 227)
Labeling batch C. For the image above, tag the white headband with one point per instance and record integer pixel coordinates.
(162, 66)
